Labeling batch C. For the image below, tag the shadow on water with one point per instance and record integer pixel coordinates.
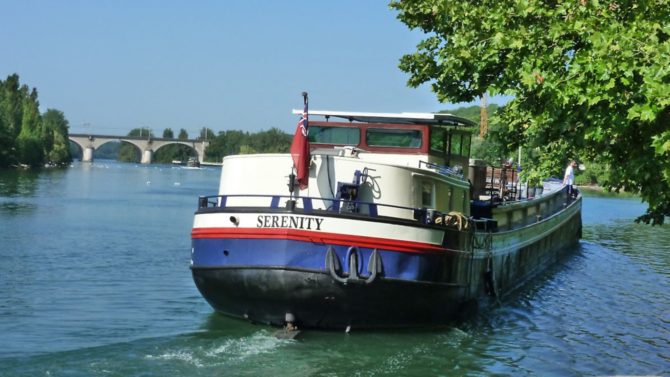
(18, 187)
(15, 187)
(25, 182)
(14, 208)
(18, 183)
(217, 323)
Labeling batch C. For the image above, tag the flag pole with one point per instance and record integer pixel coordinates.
(300, 152)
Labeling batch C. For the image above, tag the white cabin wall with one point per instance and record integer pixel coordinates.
(397, 185)
(387, 184)
(255, 174)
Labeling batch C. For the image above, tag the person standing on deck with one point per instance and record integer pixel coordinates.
(569, 178)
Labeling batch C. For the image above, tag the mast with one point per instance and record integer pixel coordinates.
(484, 117)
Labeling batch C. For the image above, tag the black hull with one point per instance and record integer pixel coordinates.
(265, 295)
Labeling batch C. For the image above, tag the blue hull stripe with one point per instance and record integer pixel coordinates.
(249, 253)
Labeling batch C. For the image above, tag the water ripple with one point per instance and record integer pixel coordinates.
(94, 281)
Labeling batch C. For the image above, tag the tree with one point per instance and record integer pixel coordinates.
(206, 133)
(239, 142)
(173, 152)
(590, 79)
(130, 153)
(226, 143)
(30, 142)
(6, 143)
(272, 141)
(168, 134)
(26, 136)
(56, 126)
(472, 112)
(482, 148)
(10, 106)
(183, 134)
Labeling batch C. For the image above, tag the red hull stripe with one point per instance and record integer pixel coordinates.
(316, 237)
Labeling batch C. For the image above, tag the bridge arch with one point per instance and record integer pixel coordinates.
(190, 145)
(87, 148)
(147, 146)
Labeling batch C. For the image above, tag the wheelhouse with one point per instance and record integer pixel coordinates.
(445, 138)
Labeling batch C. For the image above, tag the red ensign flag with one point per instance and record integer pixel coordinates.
(300, 148)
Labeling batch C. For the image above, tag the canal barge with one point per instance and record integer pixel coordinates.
(389, 225)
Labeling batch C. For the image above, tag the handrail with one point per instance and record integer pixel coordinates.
(442, 169)
(505, 184)
(337, 205)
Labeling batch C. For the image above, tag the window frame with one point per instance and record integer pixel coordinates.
(397, 131)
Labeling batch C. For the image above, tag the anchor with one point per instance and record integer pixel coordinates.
(333, 266)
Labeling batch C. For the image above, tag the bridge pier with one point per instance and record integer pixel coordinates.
(200, 150)
(87, 155)
(147, 156)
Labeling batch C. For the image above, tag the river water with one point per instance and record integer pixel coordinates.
(94, 281)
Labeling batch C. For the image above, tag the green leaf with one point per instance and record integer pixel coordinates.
(586, 79)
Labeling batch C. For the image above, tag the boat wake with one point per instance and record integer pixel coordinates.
(228, 351)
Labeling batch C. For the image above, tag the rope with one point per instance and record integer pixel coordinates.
(454, 219)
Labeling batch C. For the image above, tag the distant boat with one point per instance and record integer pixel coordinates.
(193, 162)
(389, 232)
(177, 162)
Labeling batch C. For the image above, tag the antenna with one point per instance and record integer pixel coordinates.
(484, 117)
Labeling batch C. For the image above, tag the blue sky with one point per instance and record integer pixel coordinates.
(114, 65)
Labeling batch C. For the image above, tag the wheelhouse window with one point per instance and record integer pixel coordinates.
(437, 137)
(460, 144)
(465, 147)
(387, 137)
(334, 135)
(455, 144)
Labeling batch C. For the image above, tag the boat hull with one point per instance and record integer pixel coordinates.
(316, 300)
(330, 269)
(264, 279)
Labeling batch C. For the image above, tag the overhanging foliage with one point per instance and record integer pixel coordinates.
(590, 80)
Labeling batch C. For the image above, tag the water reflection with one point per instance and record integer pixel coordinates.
(13, 208)
(18, 183)
(15, 187)
(642, 243)
(20, 188)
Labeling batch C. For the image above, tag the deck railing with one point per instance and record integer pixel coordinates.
(310, 205)
(502, 182)
(442, 169)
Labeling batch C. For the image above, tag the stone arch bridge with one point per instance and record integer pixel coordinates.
(89, 143)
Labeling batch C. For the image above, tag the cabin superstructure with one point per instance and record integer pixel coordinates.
(412, 160)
